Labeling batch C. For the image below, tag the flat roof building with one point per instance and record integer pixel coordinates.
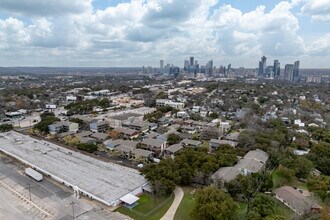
(104, 182)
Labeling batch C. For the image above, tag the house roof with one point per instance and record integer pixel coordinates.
(124, 116)
(84, 134)
(251, 165)
(85, 119)
(226, 174)
(233, 136)
(257, 154)
(153, 142)
(174, 148)
(64, 134)
(100, 136)
(191, 142)
(295, 199)
(219, 142)
(124, 148)
(141, 152)
(126, 131)
(123, 142)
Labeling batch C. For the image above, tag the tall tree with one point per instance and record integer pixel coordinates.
(213, 203)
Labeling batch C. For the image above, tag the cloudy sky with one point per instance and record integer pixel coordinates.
(141, 32)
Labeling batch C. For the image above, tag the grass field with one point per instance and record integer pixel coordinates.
(186, 206)
(149, 207)
(241, 210)
(279, 180)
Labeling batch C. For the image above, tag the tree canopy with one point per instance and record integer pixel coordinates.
(213, 203)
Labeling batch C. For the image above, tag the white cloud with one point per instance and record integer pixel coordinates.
(142, 31)
(318, 9)
(45, 7)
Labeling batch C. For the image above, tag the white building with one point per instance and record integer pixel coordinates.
(163, 102)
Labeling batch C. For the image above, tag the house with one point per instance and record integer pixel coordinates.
(112, 144)
(190, 143)
(253, 162)
(296, 201)
(215, 143)
(100, 136)
(232, 136)
(154, 145)
(164, 121)
(173, 149)
(141, 126)
(189, 129)
(65, 126)
(182, 114)
(209, 132)
(84, 134)
(142, 155)
(299, 123)
(127, 133)
(124, 151)
(99, 126)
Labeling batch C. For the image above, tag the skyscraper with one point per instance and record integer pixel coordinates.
(277, 69)
(288, 72)
(296, 71)
(191, 59)
(161, 64)
(262, 67)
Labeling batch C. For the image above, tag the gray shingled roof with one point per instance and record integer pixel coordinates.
(141, 152)
(153, 142)
(174, 148)
(259, 155)
(295, 199)
(191, 142)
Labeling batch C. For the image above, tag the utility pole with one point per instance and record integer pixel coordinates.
(29, 187)
(72, 203)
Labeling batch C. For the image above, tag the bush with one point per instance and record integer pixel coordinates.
(90, 148)
(6, 127)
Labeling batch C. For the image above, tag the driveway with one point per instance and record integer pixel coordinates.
(178, 193)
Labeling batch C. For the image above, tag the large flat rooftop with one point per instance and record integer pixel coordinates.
(107, 181)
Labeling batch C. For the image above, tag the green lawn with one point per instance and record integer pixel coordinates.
(149, 207)
(186, 206)
(281, 209)
(241, 210)
(279, 180)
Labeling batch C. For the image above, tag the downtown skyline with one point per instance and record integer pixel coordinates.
(135, 33)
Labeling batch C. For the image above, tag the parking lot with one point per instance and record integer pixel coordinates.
(49, 200)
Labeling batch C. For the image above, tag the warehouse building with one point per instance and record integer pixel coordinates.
(104, 182)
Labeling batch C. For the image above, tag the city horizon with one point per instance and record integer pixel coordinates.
(140, 33)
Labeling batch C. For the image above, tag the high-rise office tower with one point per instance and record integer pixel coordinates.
(186, 65)
(161, 64)
(262, 67)
(296, 71)
(277, 69)
(288, 72)
(270, 72)
(191, 59)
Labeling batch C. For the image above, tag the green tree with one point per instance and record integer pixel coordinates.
(213, 203)
(300, 165)
(263, 204)
(320, 155)
(173, 139)
(42, 126)
(89, 147)
(320, 186)
(6, 127)
(214, 115)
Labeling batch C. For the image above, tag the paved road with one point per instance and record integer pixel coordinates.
(178, 193)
